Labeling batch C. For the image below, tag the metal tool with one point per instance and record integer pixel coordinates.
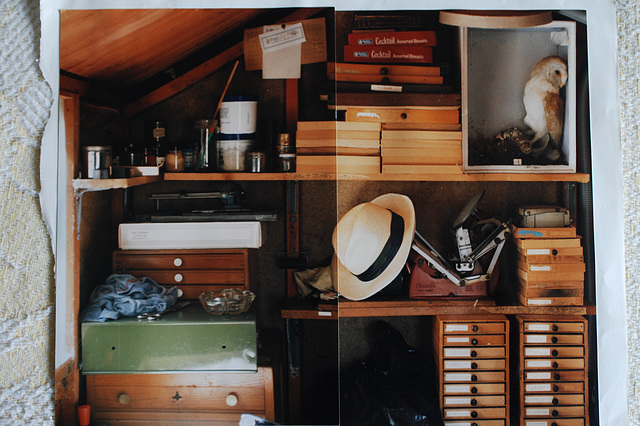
(157, 315)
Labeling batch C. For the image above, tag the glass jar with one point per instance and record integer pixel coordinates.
(204, 155)
(287, 162)
(174, 161)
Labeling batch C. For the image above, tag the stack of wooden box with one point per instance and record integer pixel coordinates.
(550, 266)
(390, 47)
(337, 147)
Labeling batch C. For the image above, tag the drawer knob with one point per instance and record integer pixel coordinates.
(474, 390)
(475, 328)
(474, 378)
(555, 413)
(474, 414)
(123, 399)
(554, 365)
(556, 388)
(474, 342)
(554, 352)
(474, 366)
(554, 339)
(474, 354)
(384, 71)
(231, 400)
(474, 402)
(178, 278)
(555, 401)
(554, 327)
(177, 261)
(556, 377)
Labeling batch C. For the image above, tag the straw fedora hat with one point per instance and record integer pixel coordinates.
(372, 242)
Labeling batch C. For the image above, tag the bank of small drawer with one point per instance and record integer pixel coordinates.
(472, 357)
(193, 271)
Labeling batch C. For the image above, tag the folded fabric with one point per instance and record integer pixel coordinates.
(127, 296)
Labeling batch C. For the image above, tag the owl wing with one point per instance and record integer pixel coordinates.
(554, 111)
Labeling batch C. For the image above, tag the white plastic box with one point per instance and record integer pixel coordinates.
(495, 65)
(189, 235)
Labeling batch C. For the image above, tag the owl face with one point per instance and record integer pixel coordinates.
(557, 73)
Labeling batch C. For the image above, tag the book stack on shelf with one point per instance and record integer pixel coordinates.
(337, 147)
(550, 266)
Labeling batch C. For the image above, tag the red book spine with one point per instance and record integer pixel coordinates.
(394, 38)
(388, 54)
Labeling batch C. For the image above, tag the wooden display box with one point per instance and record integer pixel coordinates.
(495, 66)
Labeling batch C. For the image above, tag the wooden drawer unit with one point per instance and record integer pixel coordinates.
(552, 367)
(202, 398)
(472, 358)
(193, 271)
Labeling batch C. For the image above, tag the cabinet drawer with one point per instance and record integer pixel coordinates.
(477, 340)
(475, 401)
(475, 413)
(480, 364)
(555, 376)
(553, 339)
(474, 389)
(554, 364)
(474, 327)
(554, 422)
(560, 399)
(221, 277)
(125, 260)
(479, 376)
(493, 422)
(553, 352)
(554, 327)
(560, 387)
(180, 397)
(484, 352)
(569, 411)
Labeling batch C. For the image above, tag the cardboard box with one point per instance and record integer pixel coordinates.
(495, 66)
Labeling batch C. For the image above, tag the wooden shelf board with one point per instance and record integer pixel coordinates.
(469, 177)
(98, 184)
(349, 309)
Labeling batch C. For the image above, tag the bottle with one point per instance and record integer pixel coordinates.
(174, 161)
(159, 135)
(204, 154)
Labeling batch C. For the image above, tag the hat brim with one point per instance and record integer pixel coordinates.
(348, 285)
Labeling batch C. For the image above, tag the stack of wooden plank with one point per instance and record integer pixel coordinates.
(337, 147)
(550, 266)
(421, 151)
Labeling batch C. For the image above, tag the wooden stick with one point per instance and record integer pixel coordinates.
(223, 93)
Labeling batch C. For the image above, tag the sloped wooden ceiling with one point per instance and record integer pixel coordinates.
(119, 48)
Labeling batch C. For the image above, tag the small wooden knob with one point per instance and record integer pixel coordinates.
(178, 278)
(177, 261)
(232, 400)
(123, 399)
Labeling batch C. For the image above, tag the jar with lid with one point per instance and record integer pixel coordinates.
(174, 161)
(287, 162)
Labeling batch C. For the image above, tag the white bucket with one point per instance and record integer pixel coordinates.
(232, 151)
(238, 114)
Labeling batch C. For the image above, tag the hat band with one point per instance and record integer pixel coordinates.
(388, 252)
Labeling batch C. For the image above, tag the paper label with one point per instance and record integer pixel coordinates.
(542, 268)
(535, 423)
(385, 88)
(538, 251)
(539, 301)
(532, 338)
(458, 413)
(457, 365)
(538, 399)
(538, 327)
(457, 340)
(537, 352)
(456, 327)
(457, 377)
(537, 411)
(457, 401)
(538, 364)
(457, 352)
(544, 387)
(539, 376)
(457, 388)
(275, 37)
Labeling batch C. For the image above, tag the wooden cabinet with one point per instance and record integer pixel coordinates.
(473, 367)
(186, 398)
(552, 367)
(193, 271)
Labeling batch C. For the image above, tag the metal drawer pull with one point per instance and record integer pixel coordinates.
(178, 278)
(177, 261)
(123, 399)
(231, 400)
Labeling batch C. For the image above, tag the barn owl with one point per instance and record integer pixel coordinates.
(545, 107)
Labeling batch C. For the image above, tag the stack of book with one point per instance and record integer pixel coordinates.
(337, 147)
(421, 151)
(550, 266)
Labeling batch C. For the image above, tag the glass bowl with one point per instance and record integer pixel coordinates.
(229, 301)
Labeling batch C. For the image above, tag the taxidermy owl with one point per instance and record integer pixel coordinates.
(545, 107)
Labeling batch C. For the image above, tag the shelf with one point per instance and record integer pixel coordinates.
(296, 309)
(100, 184)
(439, 177)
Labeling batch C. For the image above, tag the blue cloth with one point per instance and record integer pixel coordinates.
(128, 296)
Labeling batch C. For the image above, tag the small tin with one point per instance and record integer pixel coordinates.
(287, 162)
(96, 162)
(284, 145)
(256, 161)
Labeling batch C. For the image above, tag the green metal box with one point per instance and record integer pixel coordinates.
(189, 339)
